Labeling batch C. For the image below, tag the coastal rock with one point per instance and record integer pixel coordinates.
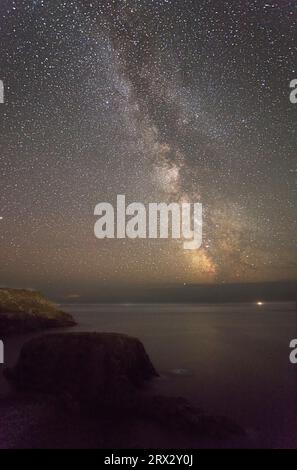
(97, 370)
(24, 310)
(99, 375)
(33, 421)
(177, 413)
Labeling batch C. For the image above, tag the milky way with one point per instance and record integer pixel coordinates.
(159, 100)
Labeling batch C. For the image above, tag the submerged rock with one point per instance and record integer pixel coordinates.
(181, 372)
(24, 310)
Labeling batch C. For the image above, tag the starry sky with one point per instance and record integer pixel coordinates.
(160, 100)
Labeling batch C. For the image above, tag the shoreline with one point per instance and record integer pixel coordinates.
(214, 394)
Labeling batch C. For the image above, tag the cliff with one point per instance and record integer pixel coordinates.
(23, 310)
(101, 375)
(97, 369)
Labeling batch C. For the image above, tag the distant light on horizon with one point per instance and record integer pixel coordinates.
(260, 303)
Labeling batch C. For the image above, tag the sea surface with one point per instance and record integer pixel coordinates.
(228, 359)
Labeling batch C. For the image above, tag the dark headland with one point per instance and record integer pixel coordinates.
(96, 384)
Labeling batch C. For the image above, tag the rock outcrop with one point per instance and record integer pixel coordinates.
(94, 369)
(178, 414)
(24, 310)
(100, 374)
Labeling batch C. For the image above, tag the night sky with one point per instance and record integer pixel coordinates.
(161, 100)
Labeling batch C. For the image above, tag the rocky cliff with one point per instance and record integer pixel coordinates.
(23, 310)
(101, 374)
(96, 369)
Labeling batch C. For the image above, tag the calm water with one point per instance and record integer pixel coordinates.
(230, 359)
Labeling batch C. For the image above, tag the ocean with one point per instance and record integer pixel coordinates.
(228, 359)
